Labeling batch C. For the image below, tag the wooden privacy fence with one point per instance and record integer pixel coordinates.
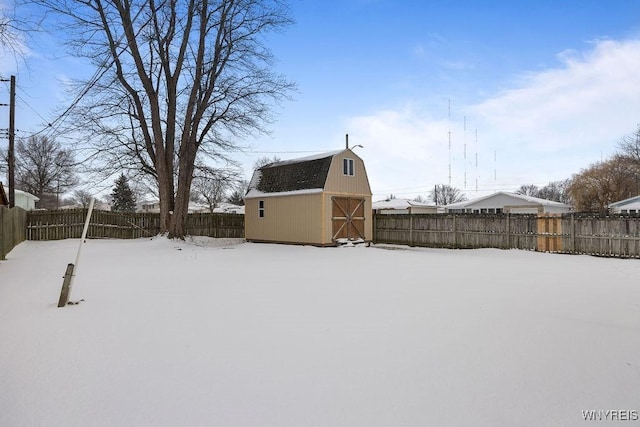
(66, 224)
(12, 229)
(613, 236)
(610, 236)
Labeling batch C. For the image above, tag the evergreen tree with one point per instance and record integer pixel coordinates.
(123, 199)
(236, 198)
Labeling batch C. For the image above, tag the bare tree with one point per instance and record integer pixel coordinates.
(444, 194)
(82, 197)
(11, 32)
(528, 190)
(629, 146)
(264, 161)
(210, 185)
(595, 187)
(44, 169)
(420, 199)
(176, 80)
(556, 191)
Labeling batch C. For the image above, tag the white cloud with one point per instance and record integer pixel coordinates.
(403, 149)
(549, 125)
(590, 101)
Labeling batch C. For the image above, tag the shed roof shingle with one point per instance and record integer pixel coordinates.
(293, 176)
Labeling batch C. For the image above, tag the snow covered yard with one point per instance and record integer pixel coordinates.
(218, 333)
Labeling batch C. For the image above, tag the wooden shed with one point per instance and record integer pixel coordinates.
(320, 200)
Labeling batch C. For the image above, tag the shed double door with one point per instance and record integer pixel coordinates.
(348, 218)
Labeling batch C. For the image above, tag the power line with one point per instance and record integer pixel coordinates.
(285, 152)
(100, 72)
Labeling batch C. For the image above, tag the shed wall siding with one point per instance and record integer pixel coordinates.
(295, 219)
(337, 182)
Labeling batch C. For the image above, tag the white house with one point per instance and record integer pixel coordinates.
(506, 202)
(626, 206)
(24, 200)
(154, 207)
(229, 208)
(402, 206)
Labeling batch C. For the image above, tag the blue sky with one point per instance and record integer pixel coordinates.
(549, 86)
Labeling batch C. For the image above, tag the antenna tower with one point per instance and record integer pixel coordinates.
(495, 165)
(465, 152)
(476, 160)
(449, 124)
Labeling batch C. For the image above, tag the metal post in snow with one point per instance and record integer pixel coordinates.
(70, 274)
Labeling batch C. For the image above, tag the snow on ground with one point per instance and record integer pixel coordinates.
(218, 333)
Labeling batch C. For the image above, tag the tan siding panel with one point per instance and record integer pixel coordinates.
(337, 182)
(295, 219)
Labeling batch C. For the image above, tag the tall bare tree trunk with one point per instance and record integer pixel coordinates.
(179, 80)
(186, 168)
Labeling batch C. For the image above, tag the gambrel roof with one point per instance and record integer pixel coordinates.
(299, 175)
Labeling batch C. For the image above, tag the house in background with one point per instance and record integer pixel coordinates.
(626, 206)
(506, 202)
(319, 200)
(229, 208)
(148, 206)
(153, 206)
(24, 200)
(403, 206)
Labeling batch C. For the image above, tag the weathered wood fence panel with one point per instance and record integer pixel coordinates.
(67, 224)
(615, 235)
(612, 236)
(216, 225)
(457, 230)
(12, 229)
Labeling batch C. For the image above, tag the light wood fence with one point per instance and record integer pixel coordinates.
(12, 229)
(611, 236)
(65, 224)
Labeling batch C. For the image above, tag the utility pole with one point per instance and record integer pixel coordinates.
(12, 134)
(12, 140)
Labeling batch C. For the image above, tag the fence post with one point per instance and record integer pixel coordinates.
(508, 230)
(66, 285)
(455, 232)
(572, 231)
(375, 229)
(410, 230)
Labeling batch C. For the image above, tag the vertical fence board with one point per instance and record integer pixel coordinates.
(614, 236)
(68, 224)
(611, 236)
(12, 229)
